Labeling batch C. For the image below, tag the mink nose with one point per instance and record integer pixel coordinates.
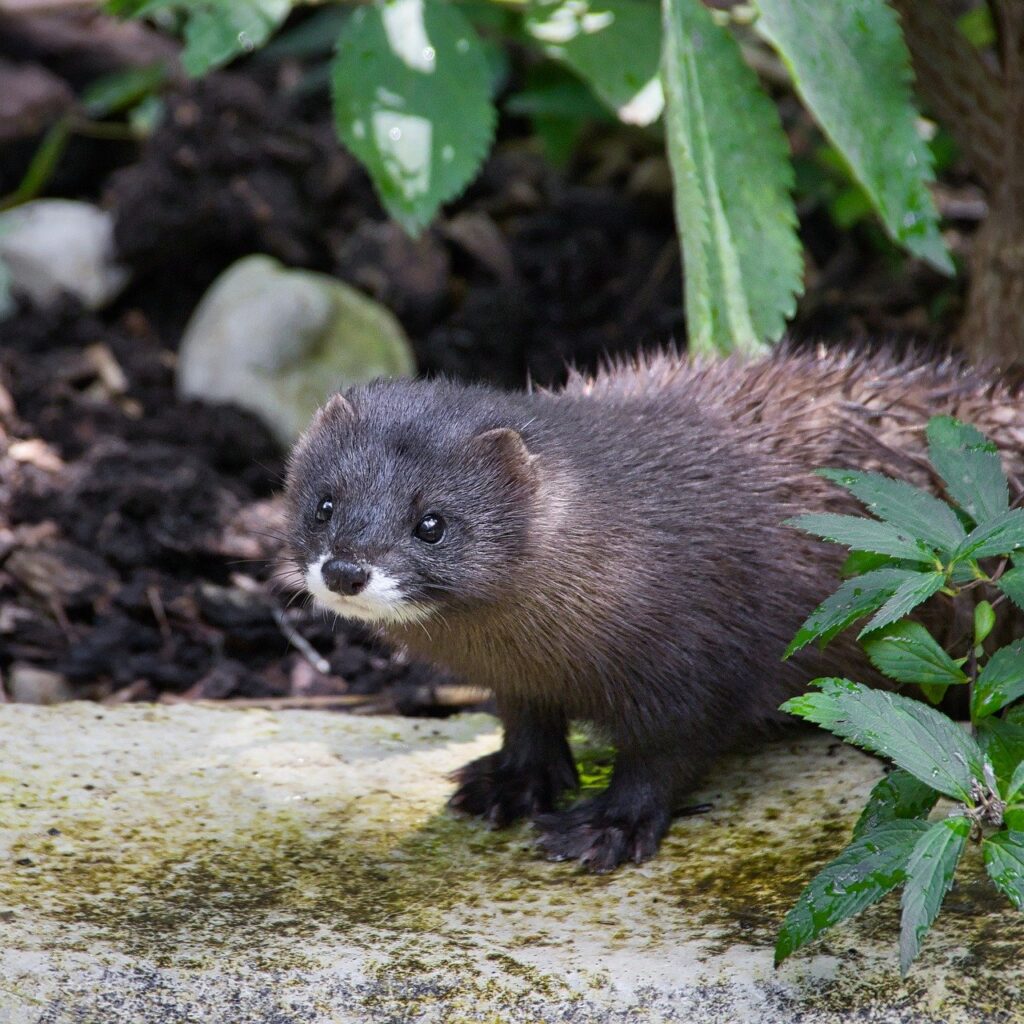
(344, 577)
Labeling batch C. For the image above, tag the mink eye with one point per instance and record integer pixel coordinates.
(430, 529)
(324, 510)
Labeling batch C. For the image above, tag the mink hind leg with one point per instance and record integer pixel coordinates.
(629, 819)
(526, 777)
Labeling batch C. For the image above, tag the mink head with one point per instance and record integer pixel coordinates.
(409, 498)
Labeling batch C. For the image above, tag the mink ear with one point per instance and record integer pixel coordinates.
(337, 408)
(508, 447)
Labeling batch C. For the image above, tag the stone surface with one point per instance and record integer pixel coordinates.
(277, 342)
(188, 864)
(50, 247)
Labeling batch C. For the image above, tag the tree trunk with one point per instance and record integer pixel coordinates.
(984, 110)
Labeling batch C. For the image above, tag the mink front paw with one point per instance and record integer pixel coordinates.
(501, 793)
(600, 835)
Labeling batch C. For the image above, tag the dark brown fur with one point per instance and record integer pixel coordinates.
(646, 583)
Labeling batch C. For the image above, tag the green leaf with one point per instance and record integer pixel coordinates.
(412, 102)
(905, 599)
(42, 166)
(907, 652)
(859, 562)
(1000, 681)
(1003, 743)
(1016, 784)
(852, 69)
(862, 534)
(921, 514)
(732, 174)
(984, 621)
(924, 742)
(969, 463)
(615, 45)
(930, 870)
(898, 795)
(853, 600)
(862, 874)
(215, 32)
(1011, 583)
(1000, 536)
(1004, 862)
(119, 90)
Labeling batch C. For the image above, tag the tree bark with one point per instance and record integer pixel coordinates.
(984, 110)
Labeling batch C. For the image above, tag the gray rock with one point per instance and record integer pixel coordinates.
(52, 247)
(27, 684)
(277, 342)
(193, 864)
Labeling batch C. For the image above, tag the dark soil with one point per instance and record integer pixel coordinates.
(139, 534)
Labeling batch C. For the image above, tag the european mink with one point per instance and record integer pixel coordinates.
(613, 552)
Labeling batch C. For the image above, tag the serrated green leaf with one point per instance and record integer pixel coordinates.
(930, 869)
(732, 175)
(851, 67)
(921, 514)
(999, 536)
(862, 874)
(863, 534)
(1003, 743)
(853, 600)
(860, 562)
(1015, 786)
(905, 599)
(899, 795)
(412, 102)
(1004, 862)
(969, 463)
(907, 652)
(615, 45)
(1011, 583)
(919, 739)
(1000, 682)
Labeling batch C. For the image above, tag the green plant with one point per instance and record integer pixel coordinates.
(413, 85)
(917, 547)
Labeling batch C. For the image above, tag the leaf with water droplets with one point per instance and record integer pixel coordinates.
(850, 65)
(1004, 862)
(733, 176)
(969, 463)
(613, 45)
(215, 33)
(412, 100)
(919, 513)
(930, 870)
(907, 652)
(1003, 743)
(905, 599)
(1000, 682)
(862, 874)
(862, 534)
(898, 795)
(852, 601)
(918, 738)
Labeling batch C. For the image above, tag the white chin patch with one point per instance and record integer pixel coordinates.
(379, 601)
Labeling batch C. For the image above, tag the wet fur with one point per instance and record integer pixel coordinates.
(630, 567)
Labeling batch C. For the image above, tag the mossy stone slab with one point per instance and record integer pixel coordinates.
(164, 865)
